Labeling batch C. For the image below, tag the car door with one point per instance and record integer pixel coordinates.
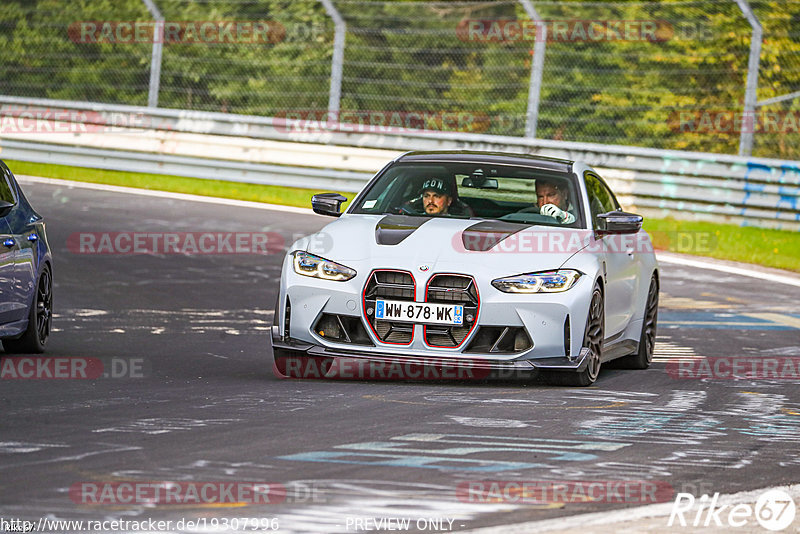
(21, 223)
(9, 249)
(619, 256)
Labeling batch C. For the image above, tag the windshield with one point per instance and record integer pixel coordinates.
(474, 190)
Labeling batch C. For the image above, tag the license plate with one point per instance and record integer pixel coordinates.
(419, 312)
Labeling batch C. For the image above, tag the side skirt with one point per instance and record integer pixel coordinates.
(621, 348)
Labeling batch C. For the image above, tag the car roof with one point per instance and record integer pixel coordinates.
(495, 158)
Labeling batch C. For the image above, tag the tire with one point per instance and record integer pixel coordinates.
(593, 339)
(40, 318)
(647, 339)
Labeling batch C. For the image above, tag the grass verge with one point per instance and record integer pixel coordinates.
(770, 248)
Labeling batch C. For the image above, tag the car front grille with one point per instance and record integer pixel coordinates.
(452, 289)
(392, 285)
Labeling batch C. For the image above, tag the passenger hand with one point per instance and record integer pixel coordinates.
(560, 215)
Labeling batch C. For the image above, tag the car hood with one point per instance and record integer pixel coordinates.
(443, 244)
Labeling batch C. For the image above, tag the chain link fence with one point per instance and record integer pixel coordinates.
(666, 74)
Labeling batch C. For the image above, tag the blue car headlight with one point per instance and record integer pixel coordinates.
(541, 282)
(316, 267)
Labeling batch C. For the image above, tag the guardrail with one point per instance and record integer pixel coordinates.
(194, 167)
(722, 188)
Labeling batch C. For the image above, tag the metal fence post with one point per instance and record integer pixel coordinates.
(750, 100)
(155, 58)
(537, 66)
(337, 63)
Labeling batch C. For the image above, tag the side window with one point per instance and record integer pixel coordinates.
(601, 199)
(6, 192)
(377, 198)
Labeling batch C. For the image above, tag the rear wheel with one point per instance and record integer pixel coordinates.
(40, 317)
(647, 339)
(593, 340)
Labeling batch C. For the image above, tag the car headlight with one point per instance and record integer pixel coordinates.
(541, 282)
(316, 267)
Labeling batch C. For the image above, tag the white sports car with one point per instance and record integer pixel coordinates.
(497, 264)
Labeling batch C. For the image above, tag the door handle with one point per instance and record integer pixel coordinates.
(33, 238)
(9, 242)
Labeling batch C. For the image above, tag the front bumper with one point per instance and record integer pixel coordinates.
(300, 359)
(544, 318)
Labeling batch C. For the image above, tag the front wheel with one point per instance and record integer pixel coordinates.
(593, 340)
(40, 317)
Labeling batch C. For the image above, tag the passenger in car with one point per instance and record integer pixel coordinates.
(553, 200)
(437, 198)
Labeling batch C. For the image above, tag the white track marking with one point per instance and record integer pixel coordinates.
(665, 351)
(677, 259)
(164, 194)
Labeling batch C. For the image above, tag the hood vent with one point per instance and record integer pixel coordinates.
(392, 229)
(487, 234)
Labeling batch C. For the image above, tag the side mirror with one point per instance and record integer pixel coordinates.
(618, 222)
(328, 204)
(5, 207)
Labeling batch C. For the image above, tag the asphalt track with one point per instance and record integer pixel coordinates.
(203, 405)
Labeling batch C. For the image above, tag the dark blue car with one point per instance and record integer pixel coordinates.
(26, 272)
